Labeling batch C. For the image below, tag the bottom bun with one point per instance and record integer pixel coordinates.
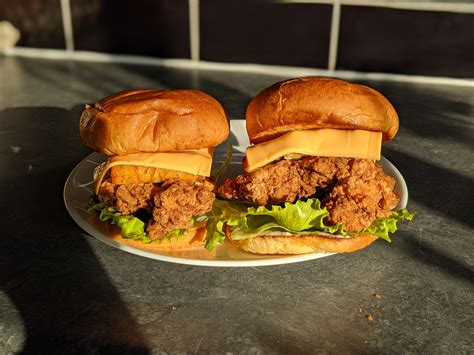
(302, 244)
(195, 237)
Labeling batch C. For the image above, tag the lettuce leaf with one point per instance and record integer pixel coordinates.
(382, 226)
(299, 218)
(174, 234)
(130, 226)
(222, 212)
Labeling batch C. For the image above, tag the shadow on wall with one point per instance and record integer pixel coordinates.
(47, 264)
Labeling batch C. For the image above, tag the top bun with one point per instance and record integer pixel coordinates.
(315, 103)
(154, 121)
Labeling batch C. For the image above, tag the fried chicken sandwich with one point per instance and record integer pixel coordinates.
(155, 186)
(313, 183)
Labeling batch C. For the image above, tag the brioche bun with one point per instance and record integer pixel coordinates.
(154, 121)
(193, 238)
(316, 243)
(315, 103)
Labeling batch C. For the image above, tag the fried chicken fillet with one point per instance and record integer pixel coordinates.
(156, 181)
(315, 138)
(354, 191)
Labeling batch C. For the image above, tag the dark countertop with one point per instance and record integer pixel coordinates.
(62, 291)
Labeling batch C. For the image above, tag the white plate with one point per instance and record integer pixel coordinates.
(78, 190)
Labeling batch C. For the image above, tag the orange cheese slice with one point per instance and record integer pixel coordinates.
(196, 162)
(321, 142)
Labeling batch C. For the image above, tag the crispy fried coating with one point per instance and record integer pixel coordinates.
(357, 200)
(355, 191)
(176, 203)
(285, 180)
(127, 199)
(171, 204)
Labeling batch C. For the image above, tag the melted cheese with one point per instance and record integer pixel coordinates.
(197, 162)
(321, 142)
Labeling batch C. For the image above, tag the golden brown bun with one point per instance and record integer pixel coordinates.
(194, 238)
(154, 121)
(315, 103)
(302, 244)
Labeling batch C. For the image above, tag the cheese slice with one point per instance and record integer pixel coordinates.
(321, 142)
(196, 162)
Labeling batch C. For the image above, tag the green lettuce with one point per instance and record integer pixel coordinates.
(223, 212)
(174, 234)
(382, 226)
(299, 218)
(131, 227)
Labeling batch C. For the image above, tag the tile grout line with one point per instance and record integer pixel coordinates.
(416, 5)
(457, 7)
(194, 30)
(334, 36)
(67, 25)
(98, 57)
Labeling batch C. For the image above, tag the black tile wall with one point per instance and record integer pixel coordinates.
(408, 42)
(265, 32)
(371, 39)
(39, 22)
(147, 27)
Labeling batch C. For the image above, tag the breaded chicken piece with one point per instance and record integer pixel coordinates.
(176, 203)
(172, 204)
(355, 191)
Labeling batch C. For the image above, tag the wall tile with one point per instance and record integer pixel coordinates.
(408, 42)
(39, 22)
(265, 32)
(147, 27)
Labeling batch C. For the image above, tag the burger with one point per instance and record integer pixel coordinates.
(312, 181)
(155, 187)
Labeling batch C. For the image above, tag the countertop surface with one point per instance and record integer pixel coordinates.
(63, 291)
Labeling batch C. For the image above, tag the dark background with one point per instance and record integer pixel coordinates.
(371, 39)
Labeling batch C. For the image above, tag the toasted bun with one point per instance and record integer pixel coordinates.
(194, 238)
(154, 121)
(302, 244)
(315, 103)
